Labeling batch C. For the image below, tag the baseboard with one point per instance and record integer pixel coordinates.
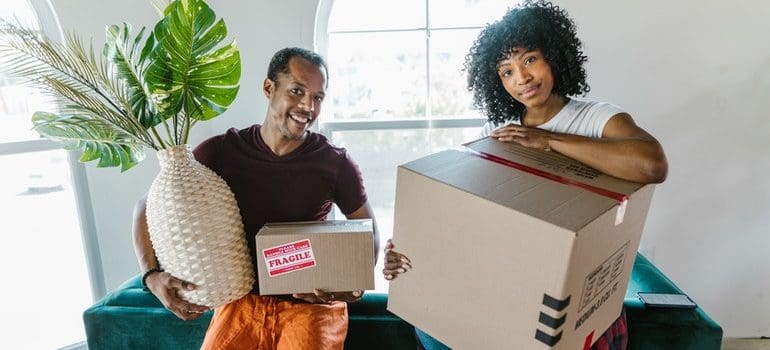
(745, 344)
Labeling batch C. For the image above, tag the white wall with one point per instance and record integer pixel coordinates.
(693, 74)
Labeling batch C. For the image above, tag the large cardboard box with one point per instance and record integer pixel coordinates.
(513, 248)
(297, 257)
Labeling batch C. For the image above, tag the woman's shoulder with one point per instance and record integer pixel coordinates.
(590, 106)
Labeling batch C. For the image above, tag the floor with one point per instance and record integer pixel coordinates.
(745, 344)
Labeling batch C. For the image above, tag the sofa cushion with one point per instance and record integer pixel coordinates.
(132, 318)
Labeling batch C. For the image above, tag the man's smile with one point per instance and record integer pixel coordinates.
(299, 118)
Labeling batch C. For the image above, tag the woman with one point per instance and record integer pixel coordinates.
(524, 71)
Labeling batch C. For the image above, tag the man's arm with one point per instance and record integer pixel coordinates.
(162, 284)
(625, 150)
(366, 212)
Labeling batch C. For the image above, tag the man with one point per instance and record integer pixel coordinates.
(523, 71)
(279, 171)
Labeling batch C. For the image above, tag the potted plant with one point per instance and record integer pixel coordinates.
(148, 93)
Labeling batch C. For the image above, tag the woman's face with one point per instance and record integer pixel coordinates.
(526, 76)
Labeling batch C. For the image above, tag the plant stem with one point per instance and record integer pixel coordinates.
(157, 137)
(187, 127)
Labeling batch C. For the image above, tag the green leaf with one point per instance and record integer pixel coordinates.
(98, 139)
(187, 74)
(128, 63)
(111, 105)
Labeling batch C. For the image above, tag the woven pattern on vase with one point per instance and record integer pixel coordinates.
(196, 229)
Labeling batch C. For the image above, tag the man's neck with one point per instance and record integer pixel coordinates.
(279, 144)
(542, 114)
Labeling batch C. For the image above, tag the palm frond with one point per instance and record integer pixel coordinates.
(181, 74)
(33, 55)
(71, 74)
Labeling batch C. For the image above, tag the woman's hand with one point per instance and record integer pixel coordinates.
(165, 287)
(525, 136)
(395, 263)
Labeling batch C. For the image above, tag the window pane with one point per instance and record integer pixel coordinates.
(374, 14)
(448, 95)
(17, 102)
(43, 255)
(465, 13)
(42, 259)
(377, 75)
(380, 152)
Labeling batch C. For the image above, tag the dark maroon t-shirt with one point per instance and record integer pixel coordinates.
(299, 186)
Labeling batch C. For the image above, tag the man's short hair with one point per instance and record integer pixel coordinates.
(280, 61)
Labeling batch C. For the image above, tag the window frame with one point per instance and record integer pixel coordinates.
(327, 127)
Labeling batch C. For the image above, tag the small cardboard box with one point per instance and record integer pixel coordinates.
(513, 248)
(297, 257)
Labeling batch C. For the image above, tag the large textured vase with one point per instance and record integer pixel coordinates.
(196, 229)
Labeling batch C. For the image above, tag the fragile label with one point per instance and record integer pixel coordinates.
(288, 257)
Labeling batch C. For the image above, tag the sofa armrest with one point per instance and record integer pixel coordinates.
(661, 328)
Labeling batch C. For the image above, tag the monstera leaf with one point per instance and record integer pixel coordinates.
(139, 94)
(188, 74)
(98, 139)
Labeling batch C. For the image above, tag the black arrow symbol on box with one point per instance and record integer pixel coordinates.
(547, 339)
(552, 322)
(554, 303)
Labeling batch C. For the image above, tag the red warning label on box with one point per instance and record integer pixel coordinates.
(289, 257)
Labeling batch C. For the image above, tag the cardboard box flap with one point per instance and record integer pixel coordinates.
(563, 205)
(553, 163)
(308, 227)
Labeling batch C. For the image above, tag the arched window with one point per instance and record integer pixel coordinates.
(396, 86)
(48, 249)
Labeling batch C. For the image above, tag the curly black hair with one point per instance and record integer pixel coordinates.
(280, 61)
(535, 25)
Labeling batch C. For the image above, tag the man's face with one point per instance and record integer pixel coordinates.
(295, 98)
(526, 76)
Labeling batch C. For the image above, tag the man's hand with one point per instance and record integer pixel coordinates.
(165, 287)
(395, 263)
(525, 136)
(321, 297)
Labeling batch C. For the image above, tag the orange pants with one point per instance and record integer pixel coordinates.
(262, 322)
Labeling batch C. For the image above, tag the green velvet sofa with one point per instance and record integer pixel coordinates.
(130, 318)
(674, 329)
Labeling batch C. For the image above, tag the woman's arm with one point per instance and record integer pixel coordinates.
(624, 150)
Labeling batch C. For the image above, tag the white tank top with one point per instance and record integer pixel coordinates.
(578, 117)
